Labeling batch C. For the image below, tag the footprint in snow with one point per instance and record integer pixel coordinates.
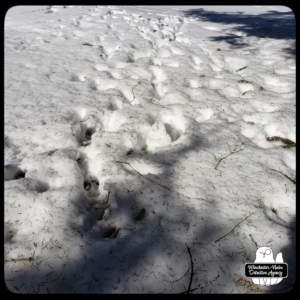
(84, 134)
(166, 130)
(158, 76)
(12, 172)
(94, 207)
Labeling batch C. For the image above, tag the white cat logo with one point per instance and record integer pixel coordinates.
(265, 255)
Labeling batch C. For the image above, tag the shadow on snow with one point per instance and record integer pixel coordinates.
(272, 24)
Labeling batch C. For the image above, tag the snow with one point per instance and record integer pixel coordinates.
(134, 132)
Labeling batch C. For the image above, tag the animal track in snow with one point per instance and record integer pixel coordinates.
(84, 136)
(85, 128)
(12, 172)
(93, 202)
(115, 103)
(109, 48)
(91, 185)
(109, 232)
(168, 127)
(158, 76)
(94, 207)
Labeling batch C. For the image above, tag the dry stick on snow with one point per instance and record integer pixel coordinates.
(51, 152)
(107, 198)
(234, 227)
(192, 271)
(187, 291)
(86, 44)
(253, 240)
(245, 281)
(241, 69)
(124, 162)
(144, 91)
(133, 92)
(19, 259)
(182, 276)
(192, 274)
(292, 180)
(231, 152)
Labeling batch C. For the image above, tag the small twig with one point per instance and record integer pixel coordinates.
(231, 152)
(19, 260)
(253, 240)
(51, 152)
(234, 227)
(133, 92)
(200, 199)
(292, 180)
(107, 198)
(182, 276)
(188, 291)
(192, 271)
(124, 162)
(86, 44)
(144, 91)
(244, 281)
(241, 69)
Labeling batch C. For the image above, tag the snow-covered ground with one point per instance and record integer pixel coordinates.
(119, 122)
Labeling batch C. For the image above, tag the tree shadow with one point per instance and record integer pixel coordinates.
(146, 252)
(272, 24)
(110, 261)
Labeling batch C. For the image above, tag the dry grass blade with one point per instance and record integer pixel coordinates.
(288, 143)
(234, 227)
(182, 276)
(253, 240)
